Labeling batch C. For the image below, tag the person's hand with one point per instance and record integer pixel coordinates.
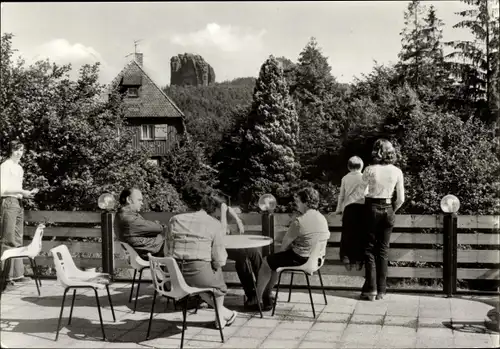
(35, 190)
(28, 194)
(337, 212)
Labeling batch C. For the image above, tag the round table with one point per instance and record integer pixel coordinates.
(236, 242)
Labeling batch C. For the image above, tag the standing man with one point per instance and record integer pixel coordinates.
(11, 208)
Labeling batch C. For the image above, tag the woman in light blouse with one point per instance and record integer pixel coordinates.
(381, 179)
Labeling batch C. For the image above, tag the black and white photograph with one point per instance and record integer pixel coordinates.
(250, 174)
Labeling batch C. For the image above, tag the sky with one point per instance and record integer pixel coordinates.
(235, 38)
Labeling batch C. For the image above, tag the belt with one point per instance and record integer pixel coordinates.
(385, 201)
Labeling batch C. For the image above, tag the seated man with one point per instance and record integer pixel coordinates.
(245, 274)
(297, 243)
(195, 240)
(142, 235)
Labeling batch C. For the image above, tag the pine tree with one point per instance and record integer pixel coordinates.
(269, 137)
(413, 42)
(476, 62)
(313, 78)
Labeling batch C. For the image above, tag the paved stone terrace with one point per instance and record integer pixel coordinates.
(399, 321)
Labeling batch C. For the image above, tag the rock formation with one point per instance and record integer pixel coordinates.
(190, 69)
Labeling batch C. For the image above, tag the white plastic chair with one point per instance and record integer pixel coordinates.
(314, 263)
(138, 264)
(173, 285)
(30, 251)
(69, 276)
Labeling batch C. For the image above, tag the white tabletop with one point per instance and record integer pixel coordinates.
(246, 241)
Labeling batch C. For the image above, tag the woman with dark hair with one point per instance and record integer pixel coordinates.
(195, 240)
(297, 243)
(381, 179)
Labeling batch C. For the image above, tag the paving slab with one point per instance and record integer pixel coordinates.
(397, 321)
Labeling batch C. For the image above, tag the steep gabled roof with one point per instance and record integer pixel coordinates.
(152, 101)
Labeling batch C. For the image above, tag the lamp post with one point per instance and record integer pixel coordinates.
(450, 205)
(107, 203)
(267, 203)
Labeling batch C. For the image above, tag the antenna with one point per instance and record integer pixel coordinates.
(135, 47)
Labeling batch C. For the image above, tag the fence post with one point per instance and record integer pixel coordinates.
(107, 243)
(450, 254)
(268, 230)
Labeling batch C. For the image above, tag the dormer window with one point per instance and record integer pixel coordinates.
(133, 92)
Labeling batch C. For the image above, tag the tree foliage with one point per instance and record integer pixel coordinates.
(77, 145)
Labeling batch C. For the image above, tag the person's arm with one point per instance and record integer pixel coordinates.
(340, 200)
(223, 217)
(241, 227)
(291, 234)
(219, 254)
(138, 226)
(400, 192)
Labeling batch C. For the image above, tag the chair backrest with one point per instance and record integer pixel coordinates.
(317, 257)
(35, 247)
(178, 287)
(65, 266)
(132, 256)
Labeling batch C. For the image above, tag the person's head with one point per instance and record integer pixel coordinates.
(306, 198)
(131, 198)
(16, 150)
(199, 196)
(383, 152)
(355, 164)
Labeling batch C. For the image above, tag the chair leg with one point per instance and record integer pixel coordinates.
(132, 288)
(322, 287)
(218, 318)
(38, 274)
(34, 275)
(72, 305)
(111, 303)
(184, 317)
(277, 291)
(290, 289)
(310, 294)
(61, 312)
(138, 287)
(151, 315)
(100, 315)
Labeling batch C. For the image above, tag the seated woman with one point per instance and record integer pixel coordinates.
(195, 240)
(297, 243)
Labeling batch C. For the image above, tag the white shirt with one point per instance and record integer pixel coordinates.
(352, 185)
(11, 178)
(304, 230)
(381, 181)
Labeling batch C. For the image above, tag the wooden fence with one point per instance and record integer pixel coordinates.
(416, 245)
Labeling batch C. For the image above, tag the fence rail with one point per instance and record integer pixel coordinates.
(418, 244)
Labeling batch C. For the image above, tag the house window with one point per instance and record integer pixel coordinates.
(153, 162)
(147, 132)
(133, 92)
(160, 131)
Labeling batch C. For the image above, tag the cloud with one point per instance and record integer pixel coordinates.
(226, 38)
(60, 50)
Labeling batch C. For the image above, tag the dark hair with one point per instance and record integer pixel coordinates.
(199, 196)
(125, 194)
(309, 196)
(15, 145)
(355, 163)
(383, 152)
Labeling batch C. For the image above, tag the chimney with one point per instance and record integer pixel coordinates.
(138, 58)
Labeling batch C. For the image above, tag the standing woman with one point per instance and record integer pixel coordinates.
(381, 179)
(11, 208)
